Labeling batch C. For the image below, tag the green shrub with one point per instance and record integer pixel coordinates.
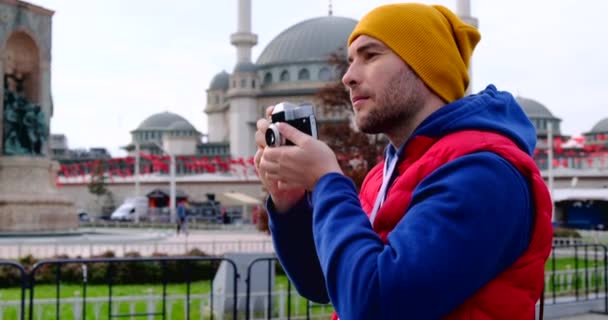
(561, 232)
(136, 272)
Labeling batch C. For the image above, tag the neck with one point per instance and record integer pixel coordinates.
(400, 134)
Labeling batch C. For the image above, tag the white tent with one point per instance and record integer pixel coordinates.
(238, 198)
(573, 194)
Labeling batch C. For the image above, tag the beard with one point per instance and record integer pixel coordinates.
(396, 105)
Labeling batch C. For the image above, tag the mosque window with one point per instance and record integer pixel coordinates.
(243, 83)
(304, 74)
(253, 84)
(217, 99)
(234, 83)
(284, 76)
(268, 78)
(324, 74)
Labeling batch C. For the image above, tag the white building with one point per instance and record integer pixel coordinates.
(168, 130)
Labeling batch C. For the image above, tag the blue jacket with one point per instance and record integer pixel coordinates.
(329, 249)
(181, 211)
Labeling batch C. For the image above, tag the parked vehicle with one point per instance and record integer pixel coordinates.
(83, 217)
(205, 211)
(131, 207)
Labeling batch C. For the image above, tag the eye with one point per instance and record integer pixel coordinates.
(368, 55)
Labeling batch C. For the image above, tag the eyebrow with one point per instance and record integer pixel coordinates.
(366, 47)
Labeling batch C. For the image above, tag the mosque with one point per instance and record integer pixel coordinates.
(294, 66)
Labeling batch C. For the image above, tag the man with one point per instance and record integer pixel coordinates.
(182, 217)
(454, 224)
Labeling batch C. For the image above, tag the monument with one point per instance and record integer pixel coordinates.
(29, 199)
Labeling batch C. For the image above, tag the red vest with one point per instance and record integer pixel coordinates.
(514, 292)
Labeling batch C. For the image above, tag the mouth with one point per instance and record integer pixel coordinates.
(358, 100)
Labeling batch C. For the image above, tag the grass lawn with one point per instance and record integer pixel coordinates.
(570, 263)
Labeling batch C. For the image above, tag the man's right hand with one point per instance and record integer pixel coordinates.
(283, 199)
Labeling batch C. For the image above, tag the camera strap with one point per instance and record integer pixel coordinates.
(389, 169)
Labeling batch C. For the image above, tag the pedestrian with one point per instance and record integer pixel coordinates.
(182, 218)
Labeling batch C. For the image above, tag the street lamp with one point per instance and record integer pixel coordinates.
(550, 167)
(172, 217)
(137, 188)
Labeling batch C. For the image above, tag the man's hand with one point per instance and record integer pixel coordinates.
(283, 197)
(301, 165)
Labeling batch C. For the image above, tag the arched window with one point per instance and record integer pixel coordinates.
(253, 84)
(324, 74)
(284, 76)
(243, 83)
(304, 75)
(268, 78)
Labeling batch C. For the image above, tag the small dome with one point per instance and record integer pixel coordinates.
(221, 81)
(311, 40)
(182, 125)
(245, 67)
(164, 121)
(600, 127)
(534, 109)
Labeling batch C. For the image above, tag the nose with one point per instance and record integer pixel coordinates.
(350, 79)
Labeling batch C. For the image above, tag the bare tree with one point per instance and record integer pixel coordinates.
(357, 152)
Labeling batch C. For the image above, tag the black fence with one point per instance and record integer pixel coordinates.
(577, 272)
(246, 286)
(183, 288)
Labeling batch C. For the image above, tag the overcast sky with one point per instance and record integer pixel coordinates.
(116, 62)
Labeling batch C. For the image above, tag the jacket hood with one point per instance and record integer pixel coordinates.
(489, 110)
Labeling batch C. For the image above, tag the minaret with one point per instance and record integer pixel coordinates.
(243, 87)
(243, 39)
(463, 10)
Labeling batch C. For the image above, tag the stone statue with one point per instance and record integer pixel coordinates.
(25, 127)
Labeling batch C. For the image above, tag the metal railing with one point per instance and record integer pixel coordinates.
(574, 273)
(577, 272)
(58, 278)
(110, 273)
(21, 278)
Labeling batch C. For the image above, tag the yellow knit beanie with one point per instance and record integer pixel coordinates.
(432, 40)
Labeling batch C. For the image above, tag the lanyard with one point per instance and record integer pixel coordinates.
(389, 169)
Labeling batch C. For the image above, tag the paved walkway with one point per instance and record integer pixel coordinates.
(120, 241)
(587, 317)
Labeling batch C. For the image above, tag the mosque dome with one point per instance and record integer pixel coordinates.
(600, 127)
(182, 125)
(311, 40)
(165, 121)
(534, 109)
(220, 81)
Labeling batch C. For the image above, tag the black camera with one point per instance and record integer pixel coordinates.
(301, 117)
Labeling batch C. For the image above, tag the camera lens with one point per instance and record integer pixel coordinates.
(273, 137)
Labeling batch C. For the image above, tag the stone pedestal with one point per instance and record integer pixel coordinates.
(29, 199)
